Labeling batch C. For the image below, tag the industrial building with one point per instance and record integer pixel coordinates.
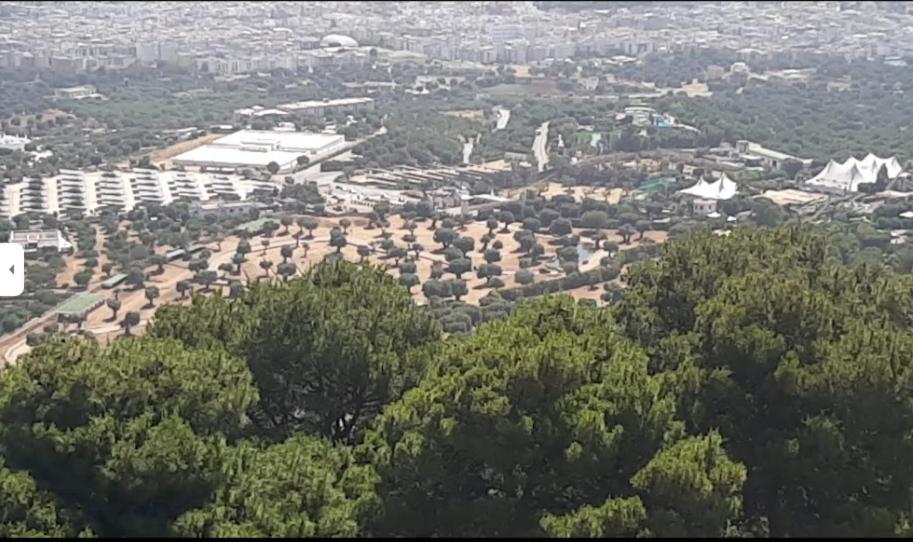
(255, 149)
(309, 108)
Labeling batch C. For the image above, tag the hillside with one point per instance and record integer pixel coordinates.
(745, 385)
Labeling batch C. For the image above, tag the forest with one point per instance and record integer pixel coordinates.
(746, 385)
(809, 121)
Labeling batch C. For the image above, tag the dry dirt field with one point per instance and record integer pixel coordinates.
(520, 70)
(163, 156)
(695, 88)
(75, 265)
(100, 324)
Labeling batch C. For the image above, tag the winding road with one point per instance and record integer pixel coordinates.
(503, 118)
(539, 146)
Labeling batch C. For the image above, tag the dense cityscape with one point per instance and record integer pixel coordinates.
(456, 269)
(245, 37)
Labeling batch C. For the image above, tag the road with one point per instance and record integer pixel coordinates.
(503, 118)
(539, 144)
(467, 150)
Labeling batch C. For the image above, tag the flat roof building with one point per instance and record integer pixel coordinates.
(75, 93)
(309, 107)
(255, 149)
(13, 143)
(35, 240)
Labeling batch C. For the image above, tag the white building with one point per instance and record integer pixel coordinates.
(255, 149)
(35, 240)
(769, 157)
(503, 32)
(75, 93)
(221, 208)
(325, 107)
(13, 143)
(703, 207)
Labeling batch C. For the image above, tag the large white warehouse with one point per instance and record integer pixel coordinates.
(255, 149)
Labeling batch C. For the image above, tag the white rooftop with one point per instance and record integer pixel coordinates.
(847, 176)
(233, 156)
(260, 147)
(722, 189)
(308, 104)
(299, 142)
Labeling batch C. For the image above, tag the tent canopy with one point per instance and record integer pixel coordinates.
(851, 173)
(722, 189)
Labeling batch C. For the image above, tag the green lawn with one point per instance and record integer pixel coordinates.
(507, 90)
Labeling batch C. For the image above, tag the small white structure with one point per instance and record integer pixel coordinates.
(76, 93)
(704, 207)
(13, 143)
(847, 176)
(35, 240)
(337, 40)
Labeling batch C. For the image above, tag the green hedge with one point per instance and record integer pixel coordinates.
(569, 282)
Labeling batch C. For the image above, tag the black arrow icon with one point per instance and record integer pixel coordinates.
(13, 269)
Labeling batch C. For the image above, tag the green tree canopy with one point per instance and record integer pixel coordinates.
(129, 434)
(327, 352)
(798, 361)
(570, 414)
(304, 487)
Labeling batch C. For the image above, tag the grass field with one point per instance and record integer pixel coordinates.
(507, 90)
(80, 303)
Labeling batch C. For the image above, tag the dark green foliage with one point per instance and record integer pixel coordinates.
(755, 384)
(327, 352)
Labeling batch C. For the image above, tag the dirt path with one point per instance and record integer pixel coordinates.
(75, 265)
(164, 156)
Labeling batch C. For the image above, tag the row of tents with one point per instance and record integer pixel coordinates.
(841, 177)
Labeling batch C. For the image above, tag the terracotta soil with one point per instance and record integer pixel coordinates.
(100, 324)
(163, 156)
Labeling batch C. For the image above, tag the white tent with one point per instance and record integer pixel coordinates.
(891, 164)
(721, 189)
(850, 174)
